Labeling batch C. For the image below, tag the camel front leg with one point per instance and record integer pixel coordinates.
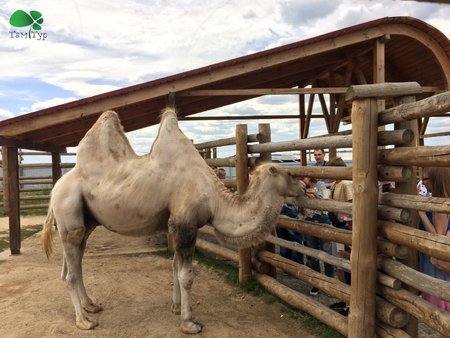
(176, 295)
(185, 238)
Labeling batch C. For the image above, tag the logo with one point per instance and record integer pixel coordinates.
(33, 19)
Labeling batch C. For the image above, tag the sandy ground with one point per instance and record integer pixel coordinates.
(134, 287)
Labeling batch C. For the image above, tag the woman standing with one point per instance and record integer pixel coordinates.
(437, 182)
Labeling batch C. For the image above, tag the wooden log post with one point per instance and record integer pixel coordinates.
(302, 125)
(264, 129)
(409, 187)
(364, 232)
(5, 181)
(56, 167)
(12, 171)
(242, 178)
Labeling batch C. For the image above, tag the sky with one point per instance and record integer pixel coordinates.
(88, 47)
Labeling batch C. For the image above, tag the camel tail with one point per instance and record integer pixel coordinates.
(47, 232)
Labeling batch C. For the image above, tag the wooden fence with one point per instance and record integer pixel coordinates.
(33, 187)
(384, 293)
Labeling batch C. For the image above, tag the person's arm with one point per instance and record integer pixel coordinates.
(440, 264)
(426, 222)
(440, 222)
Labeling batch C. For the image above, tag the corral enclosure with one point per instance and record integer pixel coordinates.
(387, 257)
(385, 283)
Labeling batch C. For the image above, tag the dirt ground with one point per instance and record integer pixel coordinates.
(134, 287)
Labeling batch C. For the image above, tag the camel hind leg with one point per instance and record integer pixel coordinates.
(185, 238)
(74, 235)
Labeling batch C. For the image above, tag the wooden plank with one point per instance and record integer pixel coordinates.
(245, 117)
(16, 143)
(264, 91)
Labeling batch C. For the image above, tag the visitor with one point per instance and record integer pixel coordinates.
(290, 210)
(319, 156)
(315, 189)
(341, 190)
(437, 182)
(220, 172)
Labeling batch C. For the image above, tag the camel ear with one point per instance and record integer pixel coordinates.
(273, 170)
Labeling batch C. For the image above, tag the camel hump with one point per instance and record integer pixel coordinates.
(105, 140)
(169, 119)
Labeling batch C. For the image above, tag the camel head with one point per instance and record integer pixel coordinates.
(249, 221)
(280, 181)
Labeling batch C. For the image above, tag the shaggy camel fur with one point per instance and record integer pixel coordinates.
(170, 188)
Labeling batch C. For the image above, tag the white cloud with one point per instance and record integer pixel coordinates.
(5, 114)
(50, 103)
(94, 46)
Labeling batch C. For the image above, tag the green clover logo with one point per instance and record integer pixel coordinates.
(21, 18)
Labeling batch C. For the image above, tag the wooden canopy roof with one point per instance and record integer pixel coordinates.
(412, 51)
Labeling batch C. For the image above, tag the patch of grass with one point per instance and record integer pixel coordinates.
(30, 212)
(24, 233)
(231, 274)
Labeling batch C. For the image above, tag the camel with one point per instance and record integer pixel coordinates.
(170, 189)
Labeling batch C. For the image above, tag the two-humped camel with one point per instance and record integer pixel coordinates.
(170, 188)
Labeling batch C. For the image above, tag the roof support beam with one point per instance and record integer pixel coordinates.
(11, 142)
(268, 91)
(252, 117)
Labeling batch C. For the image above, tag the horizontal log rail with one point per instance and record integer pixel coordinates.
(420, 281)
(384, 212)
(35, 197)
(426, 156)
(216, 249)
(433, 245)
(338, 235)
(434, 204)
(305, 303)
(330, 259)
(424, 311)
(385, 172)
(339, 173)
(431, 106)
(48, 181)
(319, 254)
(228, 141)
(344, 141)
(399, 137)
(229, 162)
(263, 91)
(385, 311)
(385, 331)
(383, 90)
(315, 229)
(34, 206)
